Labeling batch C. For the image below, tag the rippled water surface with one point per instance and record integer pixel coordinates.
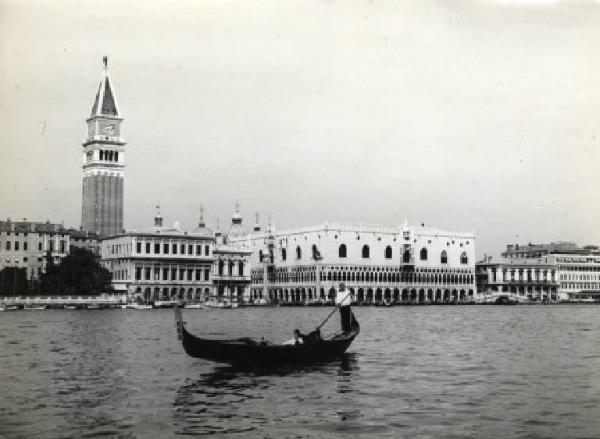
(436, 371)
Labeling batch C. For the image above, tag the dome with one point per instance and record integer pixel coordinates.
(203, 231)
(236, 230)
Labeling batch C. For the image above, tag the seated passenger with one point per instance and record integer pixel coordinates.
(298, 338)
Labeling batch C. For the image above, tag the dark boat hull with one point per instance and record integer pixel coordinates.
(246, 352)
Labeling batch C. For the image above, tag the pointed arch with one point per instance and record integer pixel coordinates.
(342, 251)
(423, 254)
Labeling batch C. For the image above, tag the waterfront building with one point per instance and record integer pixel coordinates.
(103, 163)
(28, 244)
(525, 279)
(379, 264)
(161, 263)
(577, 268)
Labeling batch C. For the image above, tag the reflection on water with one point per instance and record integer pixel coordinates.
(229, 399)
(447, 372)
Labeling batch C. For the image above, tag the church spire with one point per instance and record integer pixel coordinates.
(105, 103)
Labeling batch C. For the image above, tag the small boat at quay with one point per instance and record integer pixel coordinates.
(246, 352)
(165, 304)
(34, 307)
(70, 307)
(195, 306)
(221, 305)
(138, 306)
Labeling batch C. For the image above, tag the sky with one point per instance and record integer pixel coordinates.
(464, 115)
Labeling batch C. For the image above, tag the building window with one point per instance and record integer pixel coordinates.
(173, 273)
(166, 249)
(298, 253)
(156, 248)
(241, 268)
(206, 274)
(423, 254)
(388, 252)
(39, 246)
(138, 247)
(182, 274)
(230, 268)
(464, 259)
(198, 250)
(7, 245)
(190, 249)
(283, 254)
(16, 245)
(147, 248)
(189, 274)
(138, 273)
(221, 266)
(406, 257)
(174, 249)
(156, 273)
(206, 250)
(444, 257)
(198, 274)
(165, 273)
(342, 251)
(25, 246)
(147, 274)
(183, 249)
(365, 251)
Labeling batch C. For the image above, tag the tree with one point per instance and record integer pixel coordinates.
(13, 282)
(78, 273)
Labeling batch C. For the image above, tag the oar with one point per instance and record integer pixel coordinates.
(334, 310)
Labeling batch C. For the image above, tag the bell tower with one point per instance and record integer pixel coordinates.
(103, 163)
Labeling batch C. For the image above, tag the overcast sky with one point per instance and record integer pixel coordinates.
(464, 115)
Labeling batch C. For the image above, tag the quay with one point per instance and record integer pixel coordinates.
(82, 302)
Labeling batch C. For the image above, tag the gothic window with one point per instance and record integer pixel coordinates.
(365, 251)
(342, 252)
(423, 254)
(444, 257)
(298, 253)
(406, 257)
(116, 156)
(283, 254)
(464, 259)
(388, 252)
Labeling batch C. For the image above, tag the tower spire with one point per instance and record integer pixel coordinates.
(201, 223)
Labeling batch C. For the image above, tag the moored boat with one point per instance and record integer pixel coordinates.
(195, 306)
(138, 306)
(165, 304)
(34, 307)
(246, 352)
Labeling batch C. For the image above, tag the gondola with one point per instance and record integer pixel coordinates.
(246, 352)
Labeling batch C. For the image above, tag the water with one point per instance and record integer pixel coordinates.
(424, 372)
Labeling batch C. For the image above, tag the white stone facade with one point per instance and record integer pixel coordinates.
(380, 264)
